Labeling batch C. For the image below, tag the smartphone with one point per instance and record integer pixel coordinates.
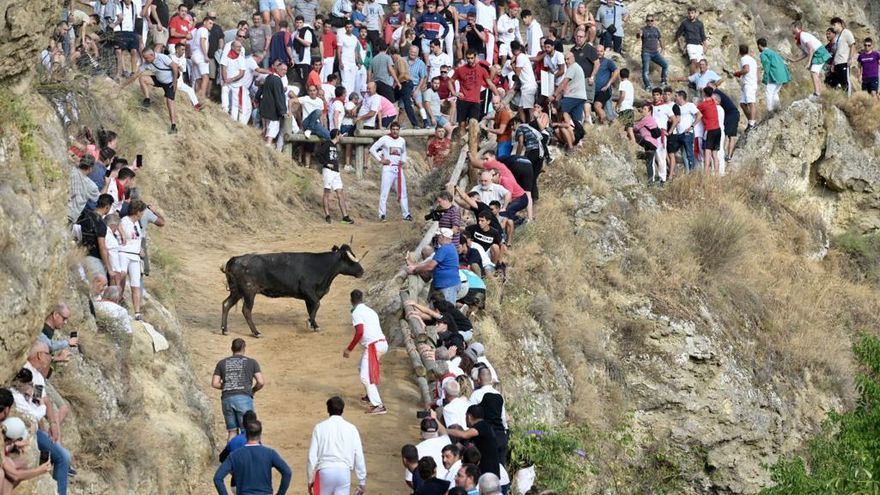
(38, 394)
(44, 456)
(139, 161)
(423, 414)
(74, 334)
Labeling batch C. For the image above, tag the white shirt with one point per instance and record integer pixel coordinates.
(233, 67)
(349, 44)
(364, 315)
(453, 470)
(526, 75)
(750, 79)
(181, 65)
(626, 86)
(454, 412)
(307, 50)
(477, 397)
(533, 38)
(486, 15)
(435, 62)
(370, 104)
(349, 106)
(250, 66)
(686, 119)
(310, 104)
(495, 192)
(485, 360)
(336, 108)
(329, 93)
(132, 233)
(662, 114)
(390, 148)
(505, 24)
(336, 443)
(130, 13)
(432, 447)
(28, 407)
(111, 242)
(195, 44)
(553, 62)
(809, 42)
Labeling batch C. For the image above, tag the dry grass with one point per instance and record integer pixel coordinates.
(861, 110)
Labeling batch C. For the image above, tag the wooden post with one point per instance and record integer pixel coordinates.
(359, 161)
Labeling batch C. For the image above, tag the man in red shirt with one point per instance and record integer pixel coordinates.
(472, 78)
(328, 51)
(179, 27)
(708, 114)
(519, 200)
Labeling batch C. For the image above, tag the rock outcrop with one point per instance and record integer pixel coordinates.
(23, 33)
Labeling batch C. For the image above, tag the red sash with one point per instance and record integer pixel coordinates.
(316, 486)
(373, 361)
(399, 185)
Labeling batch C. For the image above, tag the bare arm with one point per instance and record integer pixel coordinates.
(260, 382)
(217, 382)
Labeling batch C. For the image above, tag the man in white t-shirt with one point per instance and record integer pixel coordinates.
(814, 50)
(528, 86)
(367, 333)
(748, 79)
(232, 72)
(663, 114)
(486, 16)
(455, 408)
(508, 30)
(554, 61)
(346, 53)
(390, 151)
(437, 59)
(431, 446)
(198, 47)
(179, 58)
(534, 34)
(625, 96)
(844, 55)
(683, 137)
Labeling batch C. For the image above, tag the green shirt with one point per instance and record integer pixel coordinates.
(775, 70)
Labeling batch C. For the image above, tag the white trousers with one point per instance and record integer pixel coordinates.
(225, 94)
(335, 481)
(360, 82)
(771, 92)
(188, 91)
(449, 44)
(348, 75)
(239, 104)
(659, 164)
(327, 68)
(490, 49)
(389, 180)
(372, 389)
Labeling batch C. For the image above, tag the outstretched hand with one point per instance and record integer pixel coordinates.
(346, 354)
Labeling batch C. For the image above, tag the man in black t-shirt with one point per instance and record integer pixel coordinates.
(327, 154)
(586, 56)
(468, 256)
(93, 231)
(489, 238)
(159, 16)
(482, 436)
(471, 201)
(239, 377)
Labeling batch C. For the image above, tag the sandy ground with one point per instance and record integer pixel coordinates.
(302, 368)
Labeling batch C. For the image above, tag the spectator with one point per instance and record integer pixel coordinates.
(472, 78)
(455, 407)
(775, 76)
(489, 484)
(439, 146)
(128, 17)
(583, 19)
(691, 38)
(432, 484)
(528, 86)
(14, 462)
(664, 116)
(652, 52)
(335, 450)
(467, 476)
(56, 321)
(683, 132)
(415, 89)
(648, 136)
(131, 252)
(437, 59)
(572, 90)
(730, 120)
(604, 78)
(327, 154)
(519, 198)
(239, 440)
(198, 45)
(702, 78)
(409, 457)
(869, 61)
(82, 189)
(178, 56)
(712, 141)
(612, 18)
(443, 266)
(431, 447)
(164, 73)
(390, 151)
(259, 34)
(252, 465)
(239, 377)
(844, 55)
(812, 49)
(307, 9)
(393, 21)
(273, 102)
(489, 191)
(312, 107)
(367, 333)
(625, 97)
(482, 436)
(384, 75)
(93, 230)
(450, 215)
(492, 403)
(748, 76)
(509, 30)
(451, 461)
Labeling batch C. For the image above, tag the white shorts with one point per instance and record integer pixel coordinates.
(527, 97)
(116, 261)
(277, 4)
(695, 52)
(272, 128)
(132, 264)
(332, 180)
(200, 66)
(504, 50)
(749, 94)
(817, 68)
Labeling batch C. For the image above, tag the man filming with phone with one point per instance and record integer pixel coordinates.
(55, 322)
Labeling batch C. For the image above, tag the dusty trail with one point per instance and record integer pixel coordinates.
(302, 368)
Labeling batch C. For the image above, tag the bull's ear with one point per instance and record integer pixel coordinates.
(335, 248)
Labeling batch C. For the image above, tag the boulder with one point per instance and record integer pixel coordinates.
(848, 165)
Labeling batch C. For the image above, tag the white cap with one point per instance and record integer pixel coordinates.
(478, 349)
(14, 429)
(445, 232)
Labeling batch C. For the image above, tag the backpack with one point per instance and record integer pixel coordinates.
(88, 223)
(656, 133)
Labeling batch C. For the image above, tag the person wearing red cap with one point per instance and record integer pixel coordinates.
(367, 333)
(508, 30)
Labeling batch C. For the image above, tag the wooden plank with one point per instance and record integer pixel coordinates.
(377, 133)
(359, 161)
(300, 138)
(410, 345)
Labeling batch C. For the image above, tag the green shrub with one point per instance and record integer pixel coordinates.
(844, 458)
(864, 253)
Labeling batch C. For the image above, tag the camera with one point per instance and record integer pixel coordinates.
(423, 414)
(434, 214)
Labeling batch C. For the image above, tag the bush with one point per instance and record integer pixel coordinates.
(719, 238)
(864, 253)
(845, 457)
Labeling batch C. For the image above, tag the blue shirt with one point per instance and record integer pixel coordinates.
(417, 70)
(237, 442)
(357, 15)
(606, 69)
(97, 174)
(446, 271)
(252, 467)
(474, 280)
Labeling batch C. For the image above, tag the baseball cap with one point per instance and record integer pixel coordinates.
(512, 5)
(478, 349)
(429, 425)
(14, 429)
(445, 232)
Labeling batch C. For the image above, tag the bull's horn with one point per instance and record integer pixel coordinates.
(364, 255)
(351, 256)
(351, 240)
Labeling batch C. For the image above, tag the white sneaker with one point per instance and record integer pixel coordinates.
(307, 133)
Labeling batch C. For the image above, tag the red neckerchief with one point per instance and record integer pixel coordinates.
(233, 54)
(797, 37)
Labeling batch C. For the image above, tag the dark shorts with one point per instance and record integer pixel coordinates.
(731, 125)
(870, 84)
(347, 130)
(602, 96)
(126, 40)
(386, 121)
(674, 142)
(168, 89)
(466, 110)
(713, 140)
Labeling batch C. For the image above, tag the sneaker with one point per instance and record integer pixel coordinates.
(71, 472)
(381, 218)
(347, 220)
(365, 399)
(146, 103)
(377, 410)
(173, 129)
(198, 107)
(408, 218)
(138, 317)
(327, 219)
(307, 133)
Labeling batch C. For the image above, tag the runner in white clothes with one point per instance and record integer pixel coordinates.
(390, 151)
(346, 53)
(748, 77)
(368, 333)
(335, 450)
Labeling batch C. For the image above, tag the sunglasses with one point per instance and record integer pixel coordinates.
(650, 20)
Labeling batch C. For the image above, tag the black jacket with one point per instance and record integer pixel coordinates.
(273, 101)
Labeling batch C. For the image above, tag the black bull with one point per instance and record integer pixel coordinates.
(305, 276)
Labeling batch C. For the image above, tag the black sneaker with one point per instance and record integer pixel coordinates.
(173, 129)
(408, 218)
(146, 103)
(381, 218)
(327, 218)
(347, 220)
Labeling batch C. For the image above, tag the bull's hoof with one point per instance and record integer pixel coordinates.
(222, 331)
(315, 329)
(256, 334)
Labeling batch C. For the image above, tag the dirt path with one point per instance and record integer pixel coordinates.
(303, 368)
